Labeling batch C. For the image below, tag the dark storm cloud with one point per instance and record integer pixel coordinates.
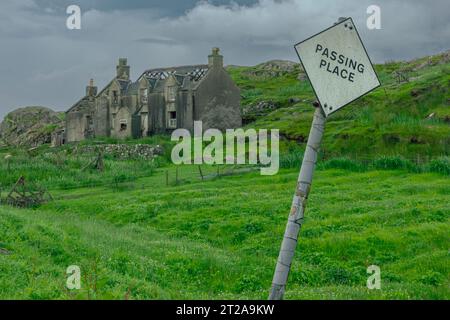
(167, 7)
(44, 63)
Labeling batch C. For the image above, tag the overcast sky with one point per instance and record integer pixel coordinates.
(44, 63)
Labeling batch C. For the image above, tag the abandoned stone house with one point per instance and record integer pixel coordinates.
(160, 101)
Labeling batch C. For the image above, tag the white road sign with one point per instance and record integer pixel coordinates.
(337, 66)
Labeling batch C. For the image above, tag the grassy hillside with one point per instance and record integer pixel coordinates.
(392, 120)
(220, 238)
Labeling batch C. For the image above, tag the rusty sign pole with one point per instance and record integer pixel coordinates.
(296, 215)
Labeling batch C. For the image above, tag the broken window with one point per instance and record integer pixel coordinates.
(123, 125)
(172, 119)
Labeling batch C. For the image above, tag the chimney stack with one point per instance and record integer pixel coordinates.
(91, 90)
(215, 59)
(123, 70)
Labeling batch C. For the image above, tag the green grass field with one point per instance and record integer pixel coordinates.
(220, 238)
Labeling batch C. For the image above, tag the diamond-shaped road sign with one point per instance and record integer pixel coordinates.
(337, 65)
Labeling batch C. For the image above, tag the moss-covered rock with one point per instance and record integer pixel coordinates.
(30, 126)
(273, 68)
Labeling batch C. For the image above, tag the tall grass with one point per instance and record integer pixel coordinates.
(293, 159)
(440, 165)
(342, 163)
(66, 171)
(391, 163)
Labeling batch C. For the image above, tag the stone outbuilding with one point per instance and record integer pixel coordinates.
(160, 101)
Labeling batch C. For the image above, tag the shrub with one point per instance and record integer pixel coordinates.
(431, 278)
(340, 275)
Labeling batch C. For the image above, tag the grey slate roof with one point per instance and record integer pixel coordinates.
(76, 104)
(124, 85)
(185, 76)
(157, 77)
(133, 88)
(196, 72)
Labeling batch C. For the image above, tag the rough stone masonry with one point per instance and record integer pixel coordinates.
(159, 101)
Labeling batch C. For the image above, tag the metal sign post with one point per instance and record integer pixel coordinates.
(340, 71)
(295, 219)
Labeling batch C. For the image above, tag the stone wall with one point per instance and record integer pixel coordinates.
(75, 126)
(123, 151)
(218, 101)
(102, 118)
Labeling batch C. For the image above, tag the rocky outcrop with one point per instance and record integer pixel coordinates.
(252, 112)
(421, 63)
(262, 107)
(30, 126)
(273, 69)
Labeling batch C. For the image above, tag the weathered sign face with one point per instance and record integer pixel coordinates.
(337, 66)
